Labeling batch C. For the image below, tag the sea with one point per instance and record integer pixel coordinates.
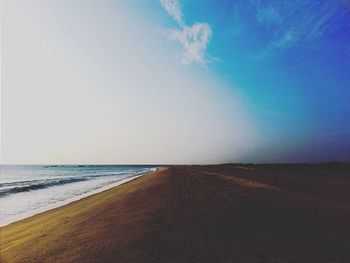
(26, 190)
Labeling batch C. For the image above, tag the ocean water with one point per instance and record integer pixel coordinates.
(26, 190)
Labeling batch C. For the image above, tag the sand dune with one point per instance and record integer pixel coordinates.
(227, 213)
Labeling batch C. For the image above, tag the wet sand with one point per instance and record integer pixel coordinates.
(224, 213)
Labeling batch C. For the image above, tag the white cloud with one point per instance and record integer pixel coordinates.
(173, 8)
(194, 39)
(302, 22)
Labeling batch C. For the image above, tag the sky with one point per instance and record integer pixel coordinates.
(175, 81)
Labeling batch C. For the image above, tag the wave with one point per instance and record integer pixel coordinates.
(31, 185)
(25, 186)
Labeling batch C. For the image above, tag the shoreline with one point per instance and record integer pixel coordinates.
(75, 198)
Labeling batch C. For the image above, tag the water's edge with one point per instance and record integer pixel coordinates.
(75, 198)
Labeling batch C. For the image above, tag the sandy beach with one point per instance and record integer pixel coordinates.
(224, 213)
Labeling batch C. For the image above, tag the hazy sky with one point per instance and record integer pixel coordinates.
(175, 81)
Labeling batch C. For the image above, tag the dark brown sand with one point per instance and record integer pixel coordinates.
(227, 213)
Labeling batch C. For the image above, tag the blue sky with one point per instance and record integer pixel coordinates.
(196, 81)
(291, 61)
